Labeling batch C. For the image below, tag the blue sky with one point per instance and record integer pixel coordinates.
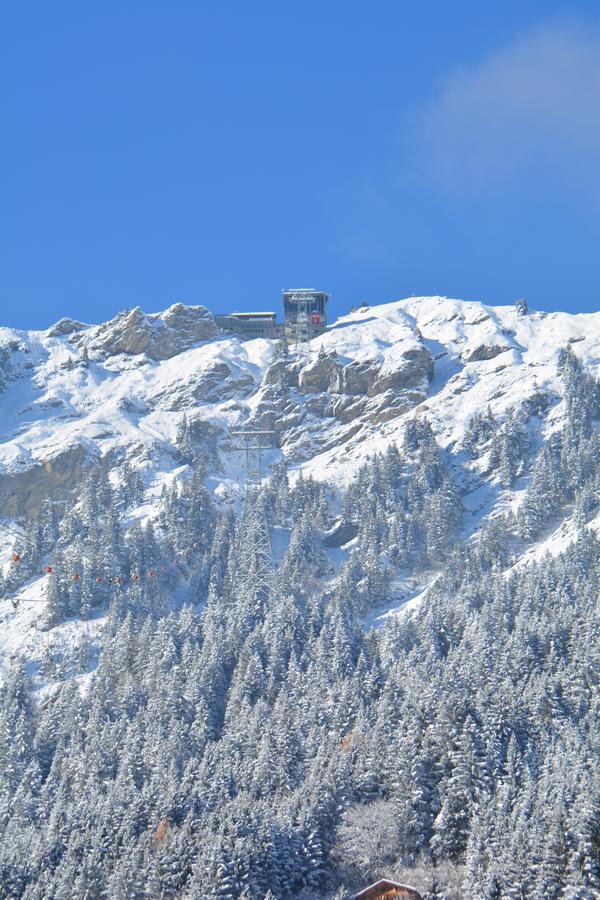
(217, 152)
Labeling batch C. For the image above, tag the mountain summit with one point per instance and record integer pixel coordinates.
(367, 664)
(76, 392)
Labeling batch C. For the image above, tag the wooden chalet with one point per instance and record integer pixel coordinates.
(384, 889)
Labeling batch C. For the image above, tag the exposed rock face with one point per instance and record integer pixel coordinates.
(324, 374)
(336, 396)
(413, 369)
(194, 323)
(125, 388)
(4, 366)
(280, 376)
(340, 534)
(220, 383)
(484, 352)
(180, 328)
(158, 336)
(346, 409)
(129, 332)
(65, 326)
(213, 383)
(22, 493)
(332, 399)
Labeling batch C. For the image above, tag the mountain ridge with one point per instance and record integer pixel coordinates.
(419, 660)
(443, 347)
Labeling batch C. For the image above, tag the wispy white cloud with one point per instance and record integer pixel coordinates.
(531, 109)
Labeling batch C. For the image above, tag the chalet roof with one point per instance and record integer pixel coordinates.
(389, 883)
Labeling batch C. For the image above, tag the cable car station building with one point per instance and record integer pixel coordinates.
(304, 314)
(250, 324)
(304, 317)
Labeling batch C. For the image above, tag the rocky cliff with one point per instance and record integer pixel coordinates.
(76, 392)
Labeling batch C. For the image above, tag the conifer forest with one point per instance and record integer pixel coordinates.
(412, 694)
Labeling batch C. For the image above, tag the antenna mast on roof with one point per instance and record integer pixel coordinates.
(255, 551)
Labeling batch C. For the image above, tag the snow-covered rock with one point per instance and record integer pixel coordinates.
(159, 336)
(77, 391)
(126, 388)
(65, 326)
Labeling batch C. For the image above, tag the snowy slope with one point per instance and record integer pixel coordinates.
(75, 392)
(54, 399)
(522, 352)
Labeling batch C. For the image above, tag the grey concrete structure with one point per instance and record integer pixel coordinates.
(304, 317)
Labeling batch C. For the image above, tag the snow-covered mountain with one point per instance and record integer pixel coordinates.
(75, 393)
(417, 684)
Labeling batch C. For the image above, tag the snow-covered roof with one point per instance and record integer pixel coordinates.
(386, 881)
(250, 315)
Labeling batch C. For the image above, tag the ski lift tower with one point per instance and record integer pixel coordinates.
(304, 316)
(255, 551)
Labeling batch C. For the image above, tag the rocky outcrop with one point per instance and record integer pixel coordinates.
(367, 378)
(158, 336)
(211, 384)
(323, 374)
(23, 492)
(347, 409)
(219, 383)
(65, 326)
(340, 534)
(483, 352)
(4, 366)
(189, 321)
(332, 400)
(370, 370)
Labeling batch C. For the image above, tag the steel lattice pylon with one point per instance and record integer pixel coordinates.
(255, 551)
